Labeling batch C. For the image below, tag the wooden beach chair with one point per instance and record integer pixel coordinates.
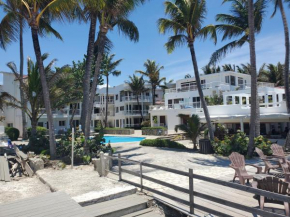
(268, 165)
(239, 165)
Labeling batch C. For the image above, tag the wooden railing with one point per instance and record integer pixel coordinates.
(191, 192)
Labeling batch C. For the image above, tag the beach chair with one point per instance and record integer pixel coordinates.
(279, 153)
(276, 185)
(239, 165)
(268, 165)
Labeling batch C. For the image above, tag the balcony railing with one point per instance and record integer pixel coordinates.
(104, 102)
(194, 105)
(134, 98)
(136, 112)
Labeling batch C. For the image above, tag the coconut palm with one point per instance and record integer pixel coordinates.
(273, 74)
(192, 128)
(11, 29)
(153, 73)
(5, 100)
(112, 13)
(210, 69)
(187, 76)
(255, 107)
(53, 10)
(108, 68)
(235, 25)
(185, 20)
(166, 85)
(137, 87)
(279, 5)
(229, 67)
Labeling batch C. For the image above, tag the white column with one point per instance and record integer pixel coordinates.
(247, 100)
(266, 100)
(274, 100)
(242, 124)
(151, 120)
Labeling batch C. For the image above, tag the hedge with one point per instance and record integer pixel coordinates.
(12, 133)
(40, 131)
(153, 128)
(162, 143)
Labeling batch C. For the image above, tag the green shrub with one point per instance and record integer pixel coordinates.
(153, 128)
(264, 144)
(145, 124)
(161, 143)
(12, 133)
(40, 131)
(37, 145)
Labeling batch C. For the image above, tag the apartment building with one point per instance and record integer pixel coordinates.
(234, 112)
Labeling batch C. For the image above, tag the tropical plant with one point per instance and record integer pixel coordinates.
(229, 67)
(112, 13)
(53, 10)
(210, 69)
(185, 20)
(165, 85)
(216, 99)
(108, 68)
(153, 73)
(193, 128)
(278, 4)
(187, 76)
(273, 74)
(235, 25)
(5, 100)
(137, 87)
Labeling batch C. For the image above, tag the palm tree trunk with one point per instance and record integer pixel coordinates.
(74, 108)
(255, 108)
(22, 98)
(107, 98)
(287, 47)
(33, 125)
(88, 71)
(200, 92)
(103, 32)
(45, 90)
(140, 110)
(153, 95)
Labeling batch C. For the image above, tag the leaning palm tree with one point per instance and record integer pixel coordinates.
(108, 68)
(279, 5)
(273, 74)
(185, 20)
(112, 13)
(137, 87)
(235, 25)
(54, 10)
(153, 73)
(192, 128)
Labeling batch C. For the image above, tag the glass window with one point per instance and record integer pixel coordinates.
(241, 82)
(237, 99)
(244, 100)
(229, 100)
(40, 124)
(117, 109)
(61, 123)
(117, 97)
(196, 102)
(10, 125)
(227, 79)
(177, 101)
(122, 108)
(233, 80)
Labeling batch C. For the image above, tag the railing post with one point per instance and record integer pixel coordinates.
(191, 199)
(141, 178)
(119, 164)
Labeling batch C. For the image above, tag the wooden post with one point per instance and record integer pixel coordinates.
(141, 178)
(102, 163)
(119, 164)
(110, 160)
(191, 199)
(72, 147)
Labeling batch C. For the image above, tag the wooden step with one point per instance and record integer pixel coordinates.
(139, 213)
(118, 207)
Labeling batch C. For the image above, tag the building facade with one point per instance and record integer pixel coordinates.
(232, 108)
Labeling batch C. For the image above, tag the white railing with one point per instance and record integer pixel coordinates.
(136, 112)
(104, 102)
(194, 105)
(134, 98)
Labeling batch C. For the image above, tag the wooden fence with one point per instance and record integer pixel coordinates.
(192, 193)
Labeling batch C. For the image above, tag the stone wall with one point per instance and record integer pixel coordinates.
(119, 131)
(154, 131)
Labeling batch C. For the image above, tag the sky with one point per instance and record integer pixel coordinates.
(269, 44)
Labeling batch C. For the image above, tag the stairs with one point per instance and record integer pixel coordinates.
(129, 206)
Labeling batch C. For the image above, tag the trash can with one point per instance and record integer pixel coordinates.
(205, 146)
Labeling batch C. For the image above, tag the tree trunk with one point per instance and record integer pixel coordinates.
(45, 91)
(200, 92)
(88, 71)
(153, 95)
(22, 97)
(140, 109)
(107, 98)
(255, 108)
(103, 32)
(34, 121)
(287, 47)
(74, 108)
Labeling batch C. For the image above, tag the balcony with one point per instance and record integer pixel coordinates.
(195, 105)
(134, 99)
(110, 101)
(110, 113)
(135, 113)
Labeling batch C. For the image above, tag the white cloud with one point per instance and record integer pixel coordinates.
(103, 86)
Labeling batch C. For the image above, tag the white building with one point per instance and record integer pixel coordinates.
(235, 90)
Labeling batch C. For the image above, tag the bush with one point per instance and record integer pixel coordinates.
(161, 143)
(12, 133)
(145, 124)
(239, 143)
(37, 145)
(40, 131)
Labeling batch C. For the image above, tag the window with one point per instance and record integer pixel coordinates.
(233, 80)
(186, 86)
(96, 110)
(227, 79)
(284, 97)
(196, 102)
(9, 125)
(202, 82)
(117, 96)
(177, 101)
(117, 109)
(241, 82)
(122, 108)
(237, 99)
(40, 124)
(270, 100)
(147, 94)
(156, 95)
(61, 123)
(229, 100)
(244, 100)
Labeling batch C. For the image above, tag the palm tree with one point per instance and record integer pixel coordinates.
(255, 107)
(192, 128)
(165, 85)
(137, 87)
(210, 69)
(185, 20)
(229, 67)
(153, 73)
(235, 25)
(5, 100)
(187, 76)
(35, 10)
(279, 4)
(109, 68)
(11, 29)
(112, 13)
(273, 74)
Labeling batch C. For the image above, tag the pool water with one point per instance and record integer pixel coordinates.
(116, 139)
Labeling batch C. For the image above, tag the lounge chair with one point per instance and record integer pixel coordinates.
(266, 159)
(239, 165)
(279, 153)
(276, 185)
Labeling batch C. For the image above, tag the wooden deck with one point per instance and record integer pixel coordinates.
(48, 205)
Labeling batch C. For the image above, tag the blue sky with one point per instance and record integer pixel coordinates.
(270, 44)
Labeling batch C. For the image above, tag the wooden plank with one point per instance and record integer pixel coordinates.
(6, 170)
(191, 199)
(166, 169)
(2, 173)
(28, 169)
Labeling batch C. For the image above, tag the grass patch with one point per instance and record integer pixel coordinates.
(161, 143)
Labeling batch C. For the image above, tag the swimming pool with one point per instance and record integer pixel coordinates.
(116, 139)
